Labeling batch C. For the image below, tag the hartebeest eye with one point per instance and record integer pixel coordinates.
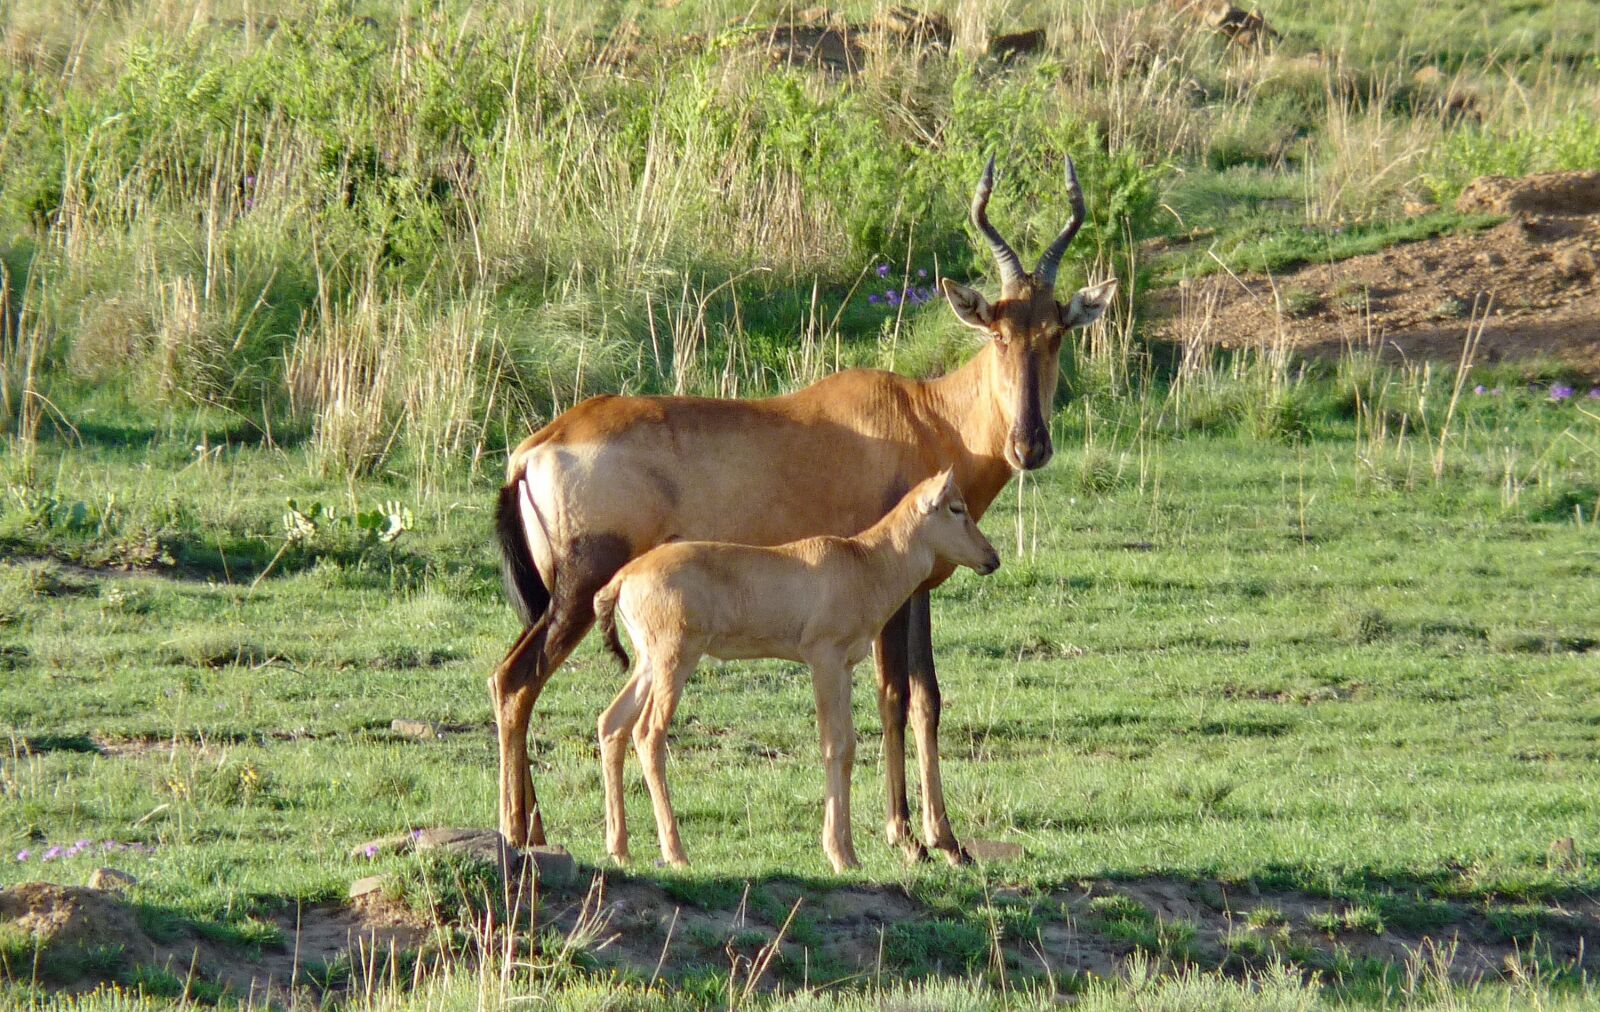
(958, 508)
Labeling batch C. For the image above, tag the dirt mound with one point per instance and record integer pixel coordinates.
(636, 925)
(69, 923)
(71, 915)
(1537, 275)
(1559, 193)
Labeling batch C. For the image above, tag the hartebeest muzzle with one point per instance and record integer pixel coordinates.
(1029, 451)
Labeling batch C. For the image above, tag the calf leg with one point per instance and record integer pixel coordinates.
(890, 653)
(650, 739)
(830, 683)
(616, 726)
(925, 706)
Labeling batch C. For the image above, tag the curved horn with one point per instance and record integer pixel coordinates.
(1051, 261)
(1011, 270)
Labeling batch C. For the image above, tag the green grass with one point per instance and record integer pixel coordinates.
(1248, 663)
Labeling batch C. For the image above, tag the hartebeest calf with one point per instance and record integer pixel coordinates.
(614, 477)
(820, 601)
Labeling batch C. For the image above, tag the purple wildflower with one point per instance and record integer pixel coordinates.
(921, 273)
(883, 270)
(51, 854)
(81, 844)
(23, 855)
(1560, 391)
(1497, 391)
(1480, 389)
(249, 180)
(1594, 393)
(893, 298)
(371, 851)
(249, 203)
(416, 834)
(874, 299)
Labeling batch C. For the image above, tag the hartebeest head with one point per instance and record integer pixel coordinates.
(1026, 325)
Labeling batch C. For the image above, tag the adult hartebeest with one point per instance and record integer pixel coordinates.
(615, 476)
(820, 601)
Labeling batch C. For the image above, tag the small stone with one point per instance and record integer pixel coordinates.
(111, 880)
(365, 886)
(1418, 208)
(991, 851)
(554, 867)
(419, 730)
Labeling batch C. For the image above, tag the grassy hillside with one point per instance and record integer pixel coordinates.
(278, 290)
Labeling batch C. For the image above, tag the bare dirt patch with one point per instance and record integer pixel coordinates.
(1537, 275)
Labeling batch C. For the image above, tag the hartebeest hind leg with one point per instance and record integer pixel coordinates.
(514, 688)
(925, 706)
(891, 653)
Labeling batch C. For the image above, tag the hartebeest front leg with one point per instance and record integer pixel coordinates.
(830, 683)
(891, 653)
(925, 706)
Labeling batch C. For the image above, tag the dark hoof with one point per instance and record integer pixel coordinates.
(913, 851)
(956, 855)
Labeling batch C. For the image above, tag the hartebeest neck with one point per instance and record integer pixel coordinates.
(963, 401)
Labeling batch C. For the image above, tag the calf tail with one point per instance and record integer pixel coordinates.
(605, 614)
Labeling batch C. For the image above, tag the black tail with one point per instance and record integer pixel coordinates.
(526, 591)
(605, 615)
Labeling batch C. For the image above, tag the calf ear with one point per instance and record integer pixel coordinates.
(970, 307)
(1089, 304)
(938, 491)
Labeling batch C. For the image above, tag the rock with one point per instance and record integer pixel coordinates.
(1005, 47)
(111, 880)
(485, 845)
(419, 730)
(991, 851)
(553, 866)
(1418, 208)
(365, 886)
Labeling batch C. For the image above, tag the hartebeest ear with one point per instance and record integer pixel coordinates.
(937, 491)
(1089, 304)
(971, 308)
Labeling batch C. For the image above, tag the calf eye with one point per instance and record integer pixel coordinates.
(957, 509)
